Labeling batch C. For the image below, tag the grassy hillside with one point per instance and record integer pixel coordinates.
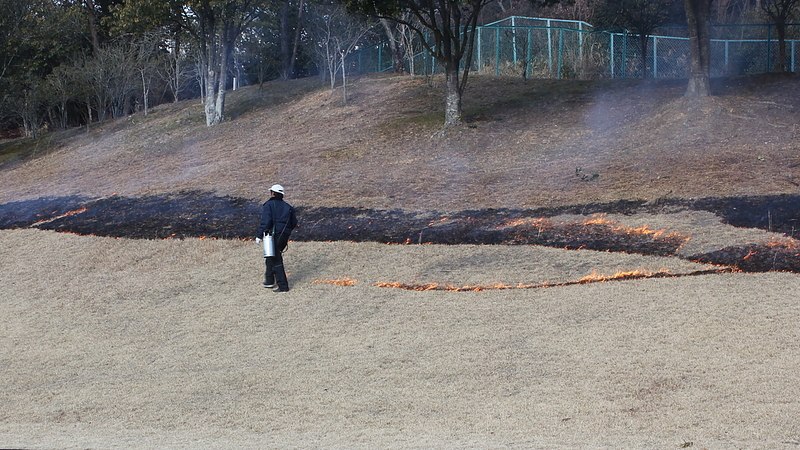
(526, 144)
(175, 344)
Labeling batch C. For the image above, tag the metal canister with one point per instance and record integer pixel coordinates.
(269, 245)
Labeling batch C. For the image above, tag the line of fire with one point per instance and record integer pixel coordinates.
(193, 214)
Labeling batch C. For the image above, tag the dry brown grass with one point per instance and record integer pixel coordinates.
(173, 344)
(520, 149)
(110, 343)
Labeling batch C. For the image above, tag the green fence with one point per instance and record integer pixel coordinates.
(551, 48)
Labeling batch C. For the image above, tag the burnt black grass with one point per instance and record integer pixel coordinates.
(189, 214)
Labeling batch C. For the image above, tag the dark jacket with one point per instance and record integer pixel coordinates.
(279, 213)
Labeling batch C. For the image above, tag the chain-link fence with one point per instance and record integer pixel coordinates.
(550, 48)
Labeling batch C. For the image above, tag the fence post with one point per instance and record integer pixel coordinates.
(480, 53)
(528, 55)
(380, 58)
(560, 52)
(625, 54)
(727, 57)
(793, 42)
(611, 45)
(549, 49)
(655, 57)
(497, 51)
(514, 38)
(769, 48)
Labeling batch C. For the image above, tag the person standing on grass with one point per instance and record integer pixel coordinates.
(277, 219)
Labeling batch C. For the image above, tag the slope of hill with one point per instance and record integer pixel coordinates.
(526, 144)
(174, 343)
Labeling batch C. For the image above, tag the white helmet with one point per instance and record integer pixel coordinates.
(277, 188)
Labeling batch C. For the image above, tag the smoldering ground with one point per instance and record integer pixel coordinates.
(189, 214)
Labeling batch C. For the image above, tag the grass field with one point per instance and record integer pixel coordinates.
(123, 343)
(173, 344)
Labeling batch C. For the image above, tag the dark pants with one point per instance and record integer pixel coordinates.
(275, 273)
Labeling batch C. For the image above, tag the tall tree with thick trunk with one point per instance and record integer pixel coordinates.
(698, 18)
(216, 24)
(91, 11)
(446, 29)
(290, 37)
(397, 44)
(143, 18)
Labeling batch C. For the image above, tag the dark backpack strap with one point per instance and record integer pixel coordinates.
(272, 211)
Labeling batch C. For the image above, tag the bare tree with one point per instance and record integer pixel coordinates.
(410, 45)
(334, 35)
(94, 74)
(446, 29)
(642, 17)
(145, 54)
(64, 87)
(27, 104)
(401, 39)
(396, 44)
(780, 11)
(173, 67)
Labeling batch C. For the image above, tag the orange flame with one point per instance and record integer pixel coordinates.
(600, 219)
(593, 278)
(443, 219)
(597, 219)
(77, 211)
(788, 244)
(338, 282)
(526, 222)
(68, 213)
(446, 287)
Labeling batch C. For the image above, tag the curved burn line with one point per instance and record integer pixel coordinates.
(586, 280)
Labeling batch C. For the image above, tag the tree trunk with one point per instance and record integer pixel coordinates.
(396, 45)
(210, 100)
(781, 29)
(698, 17)
(177, 80)
(344, 79)
(226, 51)
(296, 45)
(452, 112)
(145, 92)
(213, 74)
(643, 38)
(285, 55)
(92, 9)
